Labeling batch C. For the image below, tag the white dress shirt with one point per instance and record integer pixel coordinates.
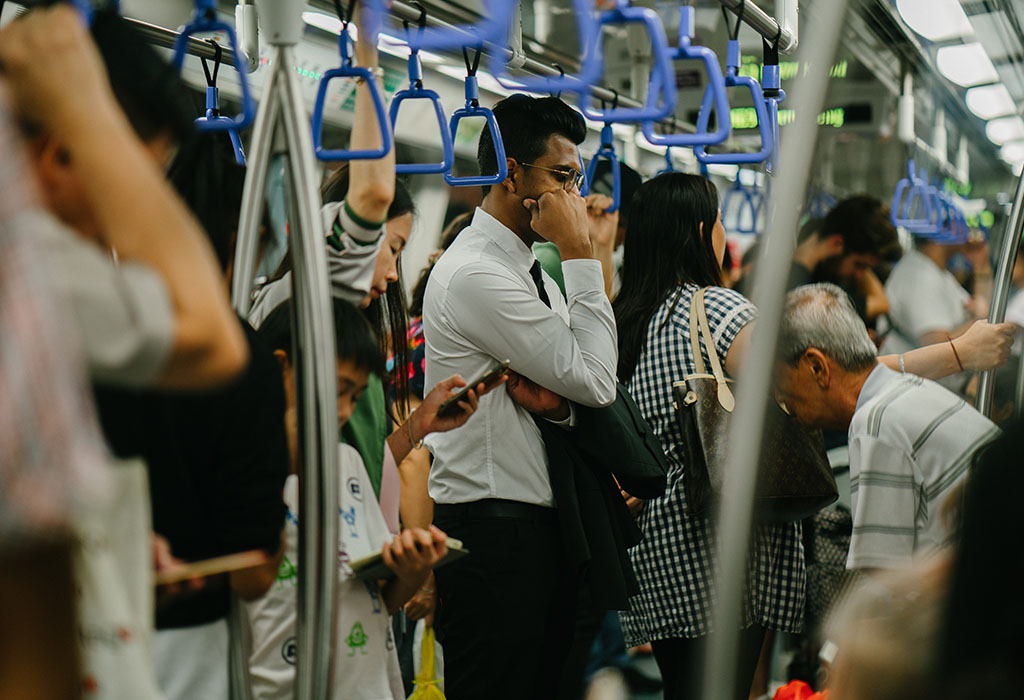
(481, 307)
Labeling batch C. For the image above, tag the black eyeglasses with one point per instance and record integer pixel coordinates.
(571, 179)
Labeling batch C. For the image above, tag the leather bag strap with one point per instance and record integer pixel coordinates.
(725, 395)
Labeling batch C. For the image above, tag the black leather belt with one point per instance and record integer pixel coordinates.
(494, 508)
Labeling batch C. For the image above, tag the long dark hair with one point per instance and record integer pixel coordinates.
(664, 249)
(388, 314)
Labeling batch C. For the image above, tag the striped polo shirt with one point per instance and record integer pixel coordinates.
(911, 442)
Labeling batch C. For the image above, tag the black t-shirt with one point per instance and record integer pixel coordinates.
(217, 464)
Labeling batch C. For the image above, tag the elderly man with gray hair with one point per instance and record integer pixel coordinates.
(911, 440)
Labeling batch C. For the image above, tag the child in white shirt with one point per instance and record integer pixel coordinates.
(365, 661)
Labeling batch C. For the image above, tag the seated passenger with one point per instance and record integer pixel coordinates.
(911, 440)
(366, 663)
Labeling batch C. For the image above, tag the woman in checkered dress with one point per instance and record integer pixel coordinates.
(674, 246)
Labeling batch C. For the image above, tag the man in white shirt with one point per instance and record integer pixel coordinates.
(506, 612)
(911, 440)
(927, 304)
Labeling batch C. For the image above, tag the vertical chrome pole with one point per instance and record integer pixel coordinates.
(238, 658)
(735, 516)
(253, 190)
(319, 492)
(1001, 288)
(246, 244)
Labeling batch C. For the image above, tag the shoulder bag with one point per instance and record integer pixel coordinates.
(794, 476)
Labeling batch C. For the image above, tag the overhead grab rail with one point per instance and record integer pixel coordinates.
(606, 151)
(686, 51)
(473, 109)
(214, 119)
(661, 93)
(205, 20)
(493, 28)
(416, 91)
(734, 79)
(586, 28)
(764, 24)
(361, 75)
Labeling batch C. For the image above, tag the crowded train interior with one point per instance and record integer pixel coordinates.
(511, 349)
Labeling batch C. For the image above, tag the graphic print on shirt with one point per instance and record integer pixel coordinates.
(356, 639)
(349, 516)
(287, 572)
(374, 592)
(369, 669)
(289, 651)
(355, 489)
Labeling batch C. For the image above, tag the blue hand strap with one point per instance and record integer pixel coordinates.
(473, 109)
(661, 93)
(734, 79)
(205, 20)
(606, 152)
(347, 70)
(747, 201)
(416, 91)
(914, 204)
(213, 119)
(670, 167)
(716, 86)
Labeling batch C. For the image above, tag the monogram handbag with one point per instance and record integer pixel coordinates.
(794, 477)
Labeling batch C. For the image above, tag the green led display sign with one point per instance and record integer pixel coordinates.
(750, 67)
(746, 117)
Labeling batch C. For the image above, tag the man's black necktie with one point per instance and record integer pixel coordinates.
(538, 280)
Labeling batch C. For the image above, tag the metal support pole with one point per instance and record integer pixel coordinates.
(763, 23)
(735, 516)
(160, 36)
(1001, 287)
(282, 112)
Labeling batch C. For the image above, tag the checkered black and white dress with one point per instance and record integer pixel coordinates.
(675, 562)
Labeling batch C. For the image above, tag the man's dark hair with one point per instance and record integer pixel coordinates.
(809, 228)
(526, 123)
(863, 222)
(354, 339)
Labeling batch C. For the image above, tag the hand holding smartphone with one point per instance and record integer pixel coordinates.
(450, 407)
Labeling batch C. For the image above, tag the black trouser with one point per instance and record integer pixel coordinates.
(681, 662)
(586, 625)
(505, 614)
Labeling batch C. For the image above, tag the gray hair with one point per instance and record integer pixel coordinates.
(822, 316)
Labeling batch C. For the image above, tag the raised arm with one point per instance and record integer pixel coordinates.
(372, 182)
(981, 347)
(136, 210)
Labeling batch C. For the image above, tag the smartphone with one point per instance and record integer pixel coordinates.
(209, 567)
(451, 406)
